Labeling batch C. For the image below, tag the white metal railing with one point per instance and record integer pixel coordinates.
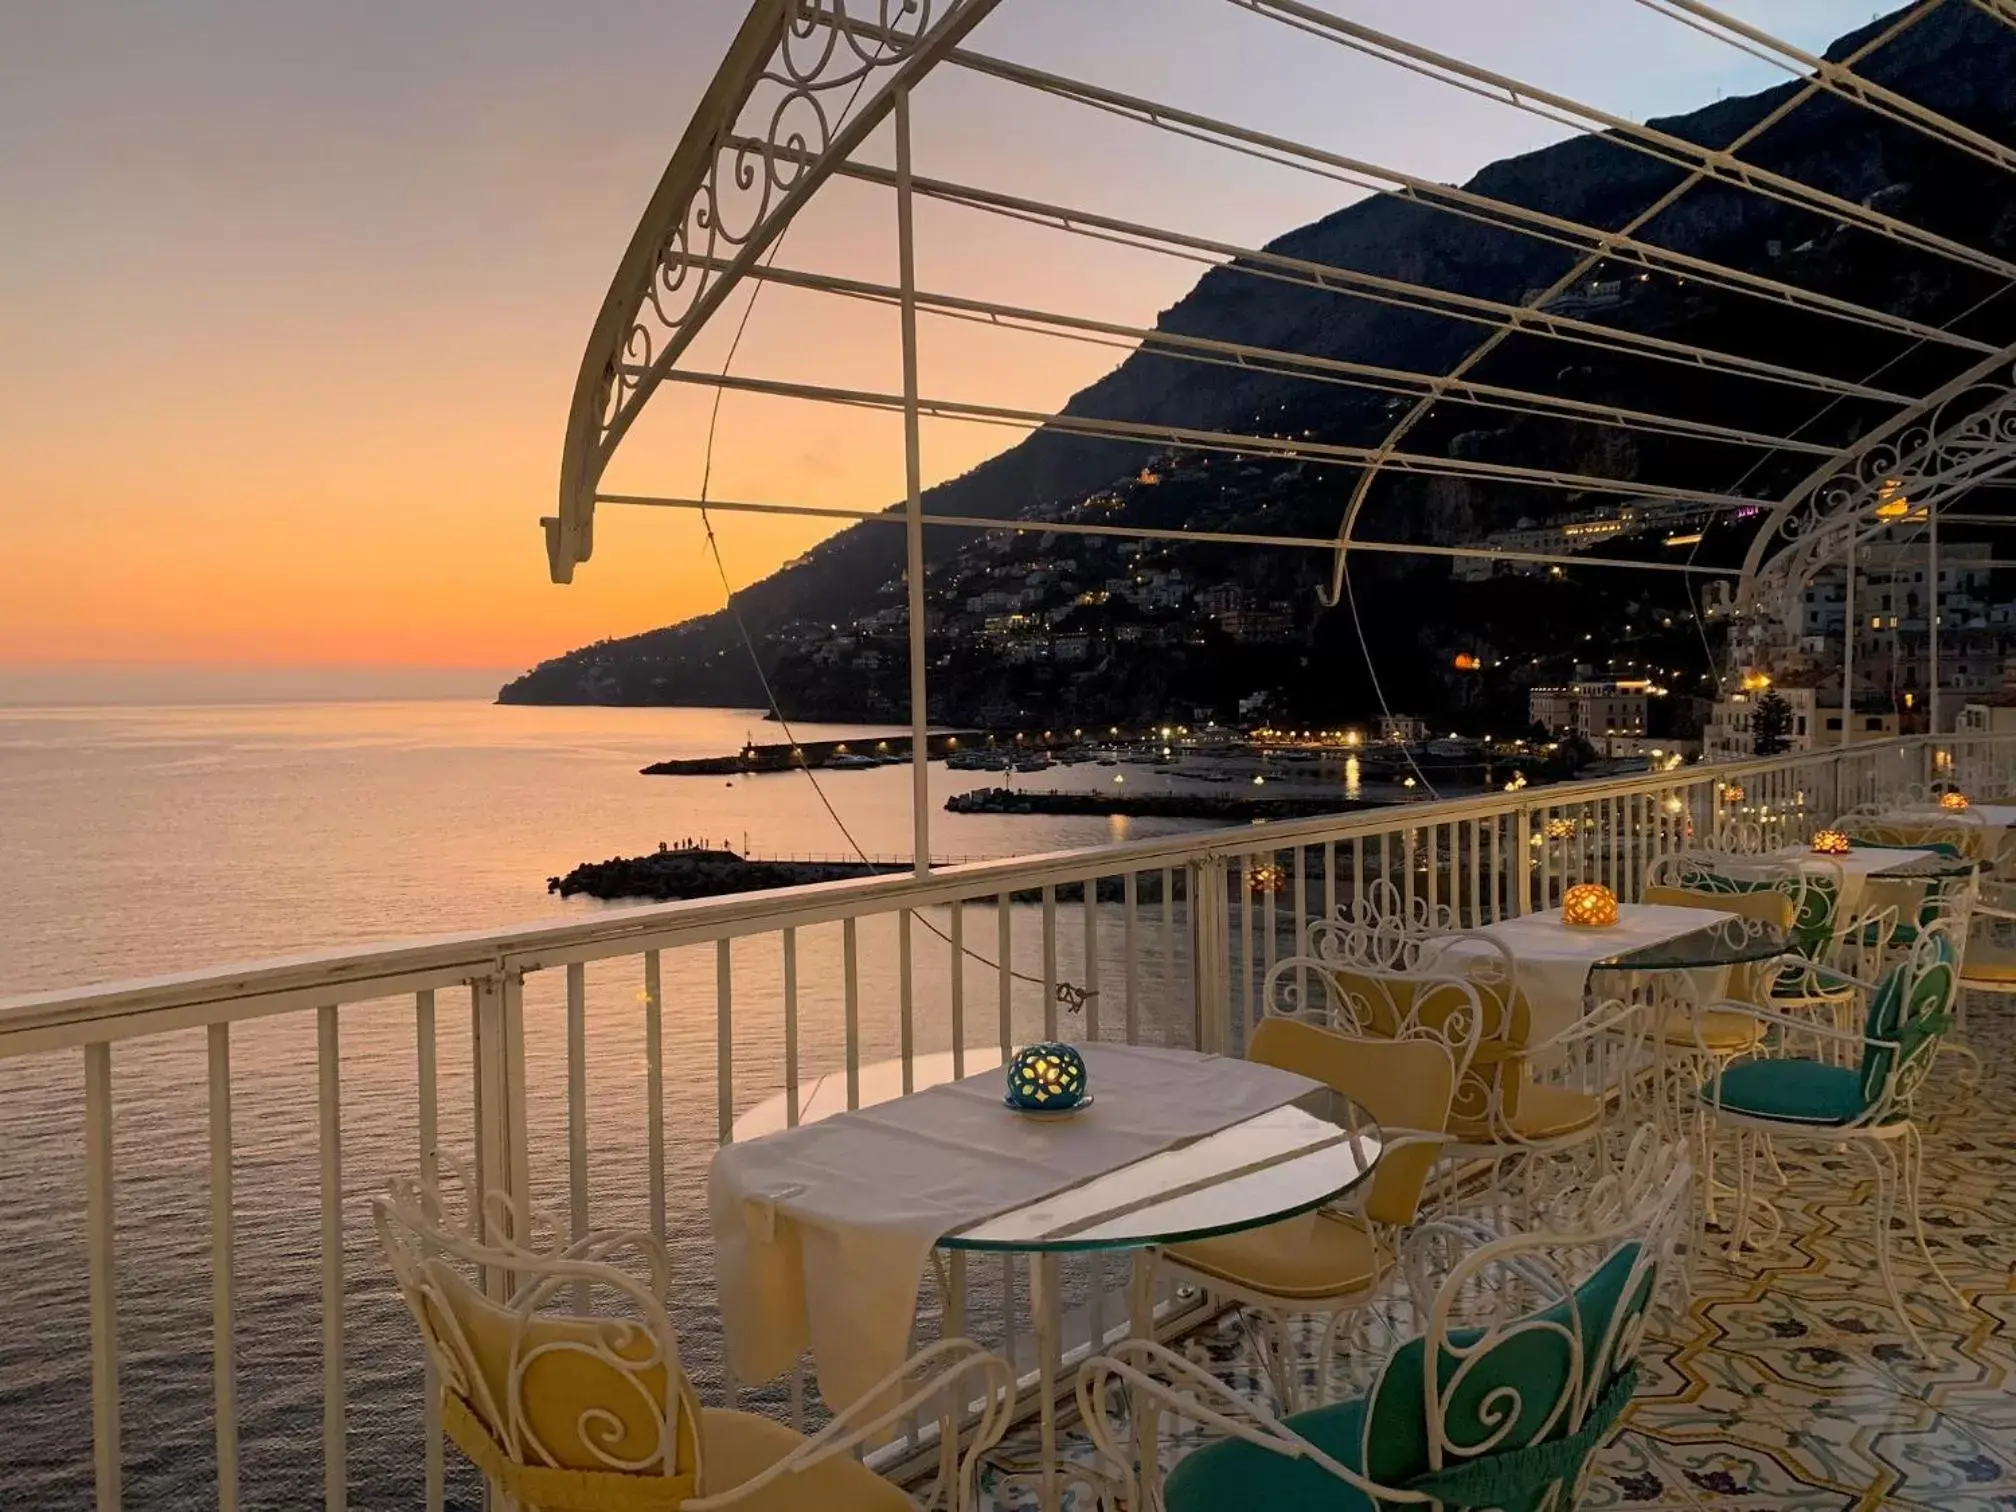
(605, 1056)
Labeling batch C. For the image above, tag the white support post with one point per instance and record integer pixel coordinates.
(913, 509)
(498, 1044)
(1210, 963)
(1932, 617)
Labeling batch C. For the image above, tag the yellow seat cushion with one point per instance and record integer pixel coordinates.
(1295, 1261)
(736, 1447)
(1719, 1029)
(1542, 1112)
(564, 1366)
(1985, 962)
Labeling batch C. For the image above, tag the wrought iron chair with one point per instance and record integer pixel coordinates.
(1869, 1105)
(586, 1411)
(1461, 989)
(1333, 1264)
(1501, 1405)
(1381, 928)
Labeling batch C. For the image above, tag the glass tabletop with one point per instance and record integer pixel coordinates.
(1726, 942)
(1267, 1169)
(1930, 864)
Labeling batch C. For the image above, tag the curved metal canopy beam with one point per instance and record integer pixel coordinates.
(796, 66)
(1421, 408)
(1958, 438)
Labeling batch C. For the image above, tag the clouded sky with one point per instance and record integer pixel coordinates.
(293, 293)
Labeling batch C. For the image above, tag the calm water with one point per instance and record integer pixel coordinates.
(141, 840)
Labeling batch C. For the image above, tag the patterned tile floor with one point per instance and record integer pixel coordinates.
(1785, 1383)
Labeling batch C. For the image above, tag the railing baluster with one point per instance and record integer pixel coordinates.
(427, 1075)
(577, 1114)
(330, 1139)
(724, 1096)
(1130, 903)
(724, 1038)
(1497, 894)
(1169, 937)
(1090, 908)
(1049, 961)
(1431, 862)
(1270, 947)
(850, 974)
(100, 1240)
(1244, 886)
(1329, 878)
(906, 1011)
(654, 1076)
(1004, 978)
(223, 1354)
(957, 933)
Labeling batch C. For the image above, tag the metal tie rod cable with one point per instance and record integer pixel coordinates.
(1273, 360)
(1663, 146)
(1151, 533)
(1836, 79)
(1540, 225)
(1333, 279)
(1287, 448)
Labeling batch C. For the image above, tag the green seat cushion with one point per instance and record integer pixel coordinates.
(1232, 1474)
(1385, 1437)
(1796, 1091)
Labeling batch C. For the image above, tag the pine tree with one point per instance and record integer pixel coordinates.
(1771, 724)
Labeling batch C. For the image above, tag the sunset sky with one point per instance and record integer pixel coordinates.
(293, 293)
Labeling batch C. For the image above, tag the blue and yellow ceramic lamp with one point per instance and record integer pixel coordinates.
(1047, 1078)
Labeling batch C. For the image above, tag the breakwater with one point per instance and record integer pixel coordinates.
(1226, 808)
(671, 875)
(783, 756)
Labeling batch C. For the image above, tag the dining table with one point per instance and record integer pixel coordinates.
(1555, 960)
(830, 1198)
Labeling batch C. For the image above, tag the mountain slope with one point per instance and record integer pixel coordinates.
(1960, 61)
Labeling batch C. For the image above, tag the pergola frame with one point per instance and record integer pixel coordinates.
(805, 84)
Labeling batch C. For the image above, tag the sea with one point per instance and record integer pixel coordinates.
(143, 836)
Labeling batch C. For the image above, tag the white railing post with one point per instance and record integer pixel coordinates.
(1210, 963)
(497, 1043)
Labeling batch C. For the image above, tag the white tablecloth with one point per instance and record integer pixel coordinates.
(1856, 867)
(1553, 959)
(821, 1234)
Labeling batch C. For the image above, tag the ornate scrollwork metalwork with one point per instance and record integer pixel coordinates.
(803, 83)
(1966, 437)
(828, 53)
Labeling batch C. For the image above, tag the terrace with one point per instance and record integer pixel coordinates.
(198, 1153)
(221, 1134)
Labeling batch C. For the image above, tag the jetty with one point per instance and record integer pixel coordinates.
(1224, 808)
(783, 756)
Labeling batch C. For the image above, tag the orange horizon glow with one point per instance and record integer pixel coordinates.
(307, 292)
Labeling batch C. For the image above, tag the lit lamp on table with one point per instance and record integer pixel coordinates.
(1831, 843)
(1047, 1078)
(1953, 799)
(1589, 905)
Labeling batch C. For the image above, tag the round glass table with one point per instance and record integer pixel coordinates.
(1267, 1168)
